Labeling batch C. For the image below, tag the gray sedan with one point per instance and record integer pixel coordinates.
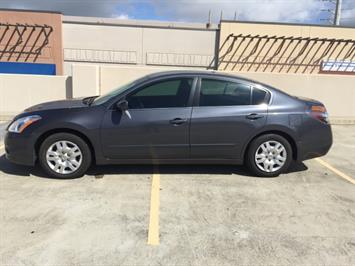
(179, 117)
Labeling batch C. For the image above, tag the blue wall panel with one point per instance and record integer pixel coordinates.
(27, 68)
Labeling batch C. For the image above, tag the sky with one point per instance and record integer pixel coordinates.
(296, 11)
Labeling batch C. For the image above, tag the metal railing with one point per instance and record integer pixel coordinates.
(23, 42)
(284, 54)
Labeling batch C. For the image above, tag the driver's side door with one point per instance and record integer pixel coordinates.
(156, 125)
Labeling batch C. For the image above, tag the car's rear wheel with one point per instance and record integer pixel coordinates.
(64, 155)
(269, 155)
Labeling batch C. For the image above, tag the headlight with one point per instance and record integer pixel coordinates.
(20, 124)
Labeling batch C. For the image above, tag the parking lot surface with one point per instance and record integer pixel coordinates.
(208, 215)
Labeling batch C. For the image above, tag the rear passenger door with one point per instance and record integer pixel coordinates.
(225, 113)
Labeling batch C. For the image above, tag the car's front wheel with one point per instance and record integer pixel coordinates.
(64, 155)
(269, 155)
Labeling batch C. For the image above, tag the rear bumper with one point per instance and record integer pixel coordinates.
(19, 149)
(315, 143)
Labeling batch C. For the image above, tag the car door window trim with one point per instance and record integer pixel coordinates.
(136, 88)
(196, 101)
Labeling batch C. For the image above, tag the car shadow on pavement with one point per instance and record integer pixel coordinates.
(99, 171)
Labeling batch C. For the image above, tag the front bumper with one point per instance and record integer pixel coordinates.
(19, 149)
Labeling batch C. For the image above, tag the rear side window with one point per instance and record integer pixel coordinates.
(162, 94)
(224, 93)
(259, 96)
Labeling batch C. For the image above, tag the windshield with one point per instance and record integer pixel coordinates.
(104, 98)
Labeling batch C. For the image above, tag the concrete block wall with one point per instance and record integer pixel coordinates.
(18, 92)
(86, 80)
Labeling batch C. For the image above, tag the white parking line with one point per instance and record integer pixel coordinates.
(336, 171)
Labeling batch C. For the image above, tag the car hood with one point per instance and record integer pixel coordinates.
(63, 104)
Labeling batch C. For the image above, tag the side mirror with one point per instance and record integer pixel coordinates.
(123, 106)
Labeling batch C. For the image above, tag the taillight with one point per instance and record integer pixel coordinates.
(319, 112)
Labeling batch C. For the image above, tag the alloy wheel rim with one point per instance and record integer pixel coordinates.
(270, 156)
(64, 157)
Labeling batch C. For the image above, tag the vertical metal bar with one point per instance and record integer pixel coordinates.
(26, 42)
(262, 48)
(34, 43)
(314, 55)
(235, 51)
(310, 49)
(336, 58)
(289, 56)
(38, 51)
(270, 48)
(19, 40)
(351, 59)
(4, 33)
(220, 59)
(283, 53)
(241, 55)
(278, 50)
(303, 49)
(329, 47)
(253, 51)
(7, 45)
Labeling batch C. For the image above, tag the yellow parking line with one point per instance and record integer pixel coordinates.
(2, 146)
(153, 233)
(339, 173)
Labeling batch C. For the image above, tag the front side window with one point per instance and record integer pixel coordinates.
(162, 94)
(224, 93)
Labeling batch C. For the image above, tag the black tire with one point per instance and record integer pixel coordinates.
(254, 145)
(83, 146)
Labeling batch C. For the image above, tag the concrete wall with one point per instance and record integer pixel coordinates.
(18, 92)
(110, 41)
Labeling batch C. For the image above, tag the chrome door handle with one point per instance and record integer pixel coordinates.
(178, 121)
(254, 116)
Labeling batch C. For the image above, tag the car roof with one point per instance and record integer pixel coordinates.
(192, 72)
(210, 73)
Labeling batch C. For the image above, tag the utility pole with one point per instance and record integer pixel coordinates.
(209, 19)
(334, 11)
(337, 15)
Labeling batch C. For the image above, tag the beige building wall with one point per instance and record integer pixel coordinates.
(140, 43)
(38, 33)
(18, 92)
(86, 80)
(282, 48)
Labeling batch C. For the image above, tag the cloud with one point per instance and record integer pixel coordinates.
(93, 8)
(122, 16)
(260, 10)
(348, 17)
(301, 11)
